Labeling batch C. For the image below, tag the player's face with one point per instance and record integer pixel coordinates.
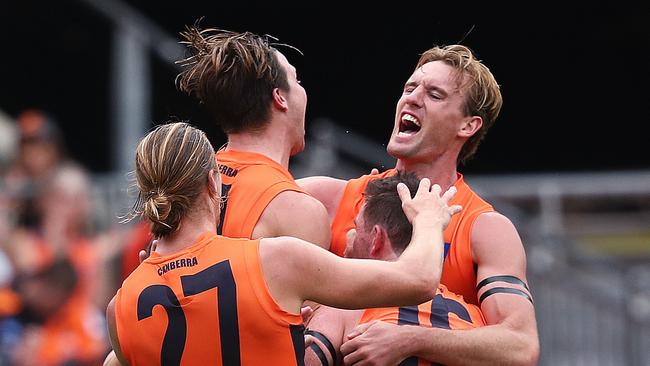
(428, 114)
(297, 99)
(359, 240)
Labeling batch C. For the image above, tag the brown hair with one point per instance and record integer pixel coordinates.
(483, 94)
(233, 75)
(383, 207)
(171, 166)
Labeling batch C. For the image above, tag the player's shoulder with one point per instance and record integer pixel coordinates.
(316, 184)
(298, 208)
(296, 214)
(493, 226)
(302, 201)
(495, 236)
(492, 220)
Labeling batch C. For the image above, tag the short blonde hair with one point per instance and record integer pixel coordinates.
(483, 92)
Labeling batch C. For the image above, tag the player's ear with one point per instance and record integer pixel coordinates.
(470, 126)
(379, 242)
(279, 100)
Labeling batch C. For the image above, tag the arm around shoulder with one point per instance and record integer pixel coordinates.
(320, 276)
(297, 271)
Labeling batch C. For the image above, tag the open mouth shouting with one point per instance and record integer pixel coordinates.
(408, 125)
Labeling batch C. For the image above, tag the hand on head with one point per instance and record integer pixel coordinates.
(428, 204)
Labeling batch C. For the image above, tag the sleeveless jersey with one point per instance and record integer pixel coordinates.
(446, 310)
(205, 305)
(250, 181)
(458, 272)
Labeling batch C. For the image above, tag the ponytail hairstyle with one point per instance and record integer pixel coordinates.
(172, 164)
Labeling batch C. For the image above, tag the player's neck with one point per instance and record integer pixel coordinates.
(438, 171)
(272, 144)
(190, 230)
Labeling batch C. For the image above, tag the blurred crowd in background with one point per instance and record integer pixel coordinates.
(58, 268)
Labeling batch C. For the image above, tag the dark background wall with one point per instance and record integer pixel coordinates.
(574, 78)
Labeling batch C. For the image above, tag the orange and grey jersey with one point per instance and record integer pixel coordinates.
(250, 181)
(205, 305)
(458, 271)
(446, 310)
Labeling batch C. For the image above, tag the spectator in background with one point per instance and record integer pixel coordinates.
(9, 300)
(40, 151)
(35, 153)
(51, 196)
(56, 326)
(63, 207)
(8, 147)
(58, 281)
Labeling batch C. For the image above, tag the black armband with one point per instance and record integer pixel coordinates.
(320, 354)
(506, 290)
(503, 278)
(318, 351)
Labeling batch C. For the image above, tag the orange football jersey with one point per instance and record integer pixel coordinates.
(458, 272)
(205, 305)
(446, 310)
(250, 181)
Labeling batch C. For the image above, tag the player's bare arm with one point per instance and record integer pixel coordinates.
(511, 335)
(353, 284)
(116, 357)
(295, 214)
(504, 295)
(327, 190)
(327, 328)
